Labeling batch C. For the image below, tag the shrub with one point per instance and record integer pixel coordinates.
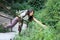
(50, 14)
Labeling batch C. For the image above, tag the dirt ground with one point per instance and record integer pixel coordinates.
(4, 20)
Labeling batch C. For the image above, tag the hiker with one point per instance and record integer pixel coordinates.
(24, 18)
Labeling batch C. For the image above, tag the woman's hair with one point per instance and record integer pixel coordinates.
(30, 17)
(29, 11)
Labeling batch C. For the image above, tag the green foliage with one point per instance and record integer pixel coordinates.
(3, 30)
(51, 14)
(58, 36)
(35, 32)
(49, 34)
(23, 4)
(18, 6)
(37, 4)
(58, 26)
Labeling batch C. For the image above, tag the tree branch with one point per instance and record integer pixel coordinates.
(6, 17)
(4, 7)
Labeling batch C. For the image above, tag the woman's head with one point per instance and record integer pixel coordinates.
(30, 13)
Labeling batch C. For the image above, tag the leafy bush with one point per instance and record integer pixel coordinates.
(37, 4)
(35, 32)
(3, 30)
(50, 14)
(18, 6)
(58, 26)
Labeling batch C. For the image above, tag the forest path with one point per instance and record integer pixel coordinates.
(8, 35)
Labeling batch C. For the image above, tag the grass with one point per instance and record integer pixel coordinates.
(36, 32)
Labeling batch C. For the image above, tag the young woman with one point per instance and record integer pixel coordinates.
(28, 17)
(23, 18)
